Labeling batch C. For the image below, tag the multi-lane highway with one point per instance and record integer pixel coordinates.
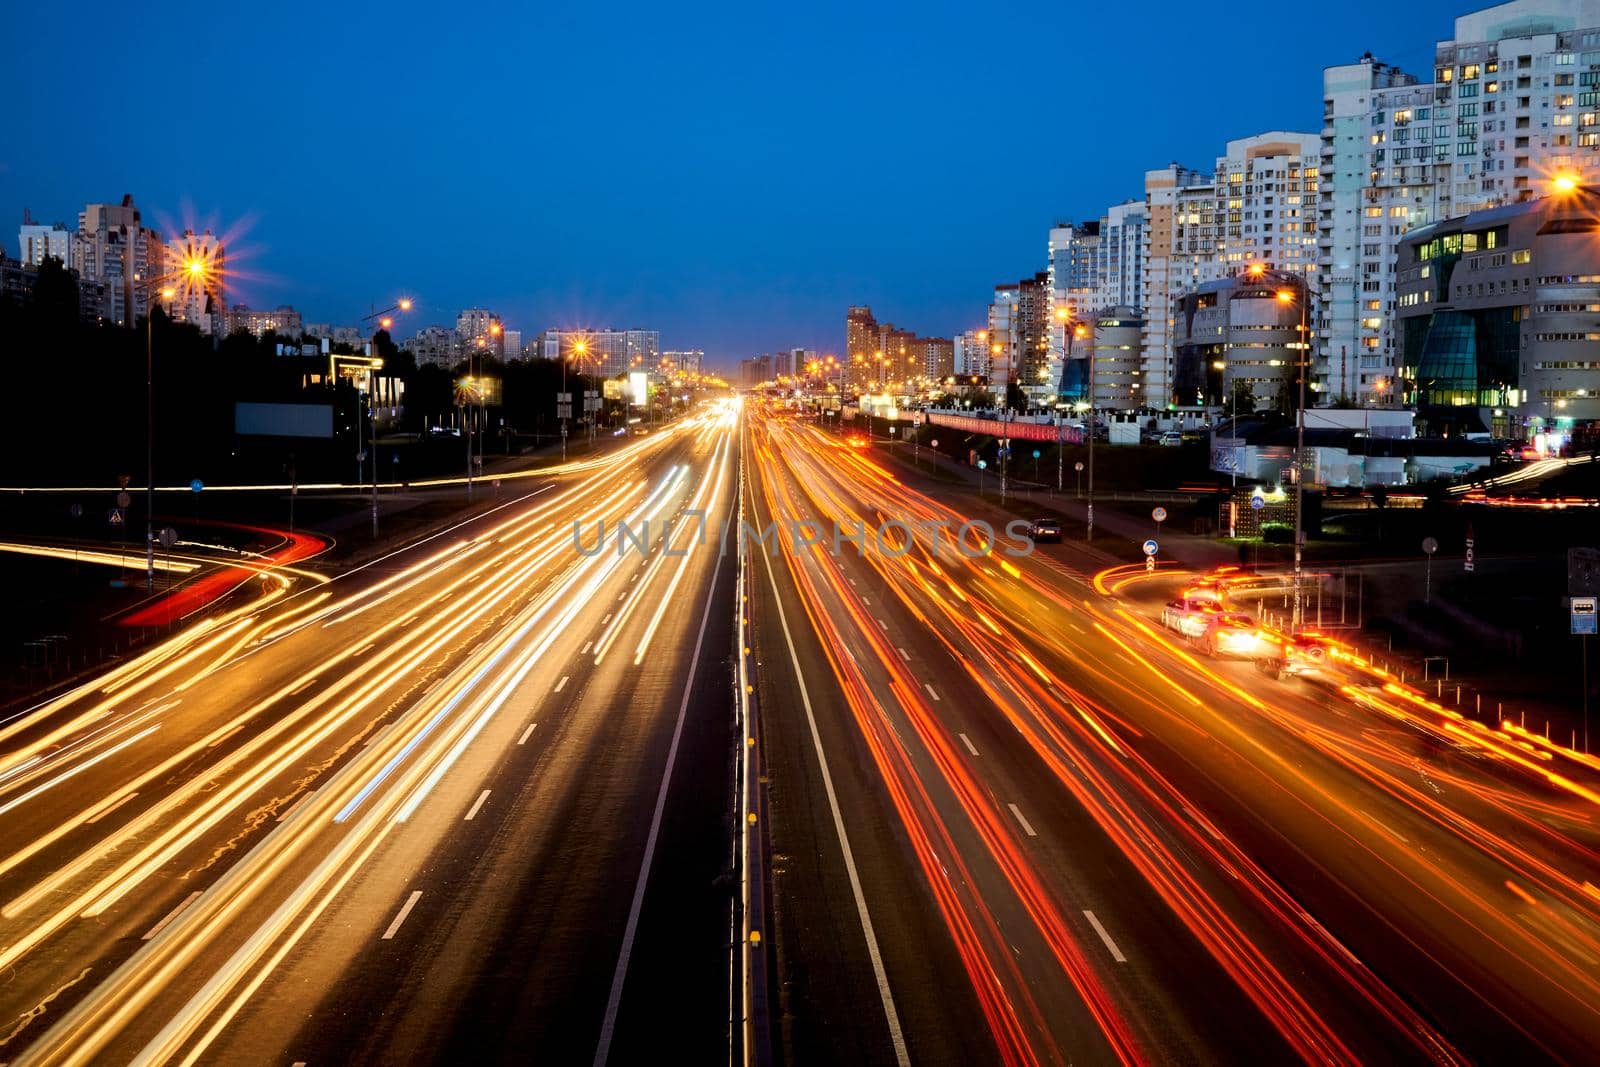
(465, 801)
(1014, 819)
(472, 801)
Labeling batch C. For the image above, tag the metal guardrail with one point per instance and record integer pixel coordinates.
(755, 1031)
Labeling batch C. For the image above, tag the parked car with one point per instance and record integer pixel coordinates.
(1170, 439)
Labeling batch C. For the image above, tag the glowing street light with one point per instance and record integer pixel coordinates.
(1564, 183)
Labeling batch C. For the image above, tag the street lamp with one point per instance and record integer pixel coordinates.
(1287, 296)
(385, 321)
(195, 272)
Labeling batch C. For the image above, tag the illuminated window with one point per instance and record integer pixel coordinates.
(1522, 255)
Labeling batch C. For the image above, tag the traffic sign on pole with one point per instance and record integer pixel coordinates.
(114, 516)
(1583, 615)
(1150, 547)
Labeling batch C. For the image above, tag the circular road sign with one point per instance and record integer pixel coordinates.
(1159, 514)
(983, 464)
(1150, 547)
(196, 485)
(1430, 545)
(76, 511)
(123, 500)
(1078, 466)
(168, 537)
(1258, 502)
(1036, 453)
(934, 442)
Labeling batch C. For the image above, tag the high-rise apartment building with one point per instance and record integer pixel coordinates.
(284, 321)
(1005, 338)
(511, 344)
(114, 249)
(641, 350)
(1378, 167)
(934, 357)
(481, 328)
(1513, 101)
(1119, 275)
(431, 346)
(971, 353)
(35, 242)
(1180, 243)
(1266, 194)
(687, 362)
(860, 344)
(1076, 277)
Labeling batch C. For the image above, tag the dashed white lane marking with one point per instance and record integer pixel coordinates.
(476, 804)
(1116, 953)
(302, 687)
(931, 692)
(173, 914)
(1027, 828)
(405, 909)
(606, 619)
(364, 649)
(561, 684)
(884, 625)
(965, 740)
(584, 651)
(903, 654)
(111, 809)
(622, 596)
(1078, 628)
(526, 734)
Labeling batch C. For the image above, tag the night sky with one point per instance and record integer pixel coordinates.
(732, 175)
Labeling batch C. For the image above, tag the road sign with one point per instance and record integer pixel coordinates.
(114, 516)
(1149, 563)
(123, 480)
(1150, 547)
(1159, 514)
(76, 511)
(1078, 466)
(196, 485)
(563, 398)
(934, 442)
(168, 537)
(1430, 545)
(1467, 562)
(983, 464)
(123, 500)
(1258, 502)
(563, 411)
(1036, 453)
(1583, 615)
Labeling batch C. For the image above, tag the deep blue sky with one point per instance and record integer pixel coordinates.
(731, 175)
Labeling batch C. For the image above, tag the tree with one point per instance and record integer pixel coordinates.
(1243, 400)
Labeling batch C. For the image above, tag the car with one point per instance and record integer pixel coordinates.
(1170, 439)
(1040, 530)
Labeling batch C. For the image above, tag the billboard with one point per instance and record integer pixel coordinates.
(259, 419)
(638, 388)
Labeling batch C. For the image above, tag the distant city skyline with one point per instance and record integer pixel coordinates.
(701, 189)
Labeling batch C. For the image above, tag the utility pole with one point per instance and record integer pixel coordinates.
(1299, 454)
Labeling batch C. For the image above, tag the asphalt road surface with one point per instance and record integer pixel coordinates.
(468, 801)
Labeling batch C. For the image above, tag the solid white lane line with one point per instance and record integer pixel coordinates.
(526, 734)
(891, 1015)
(1116, 953)
(903, 654)
(476, 805)
(173, 914)
(1022, 819)
(931, 692)
(292, 808)
(965, 740)
(614, 1000)
(561, 684)
(111, 809)
(405, 909)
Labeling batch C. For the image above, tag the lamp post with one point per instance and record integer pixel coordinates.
(193, 272)
(384, 321)
(1287, 296)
